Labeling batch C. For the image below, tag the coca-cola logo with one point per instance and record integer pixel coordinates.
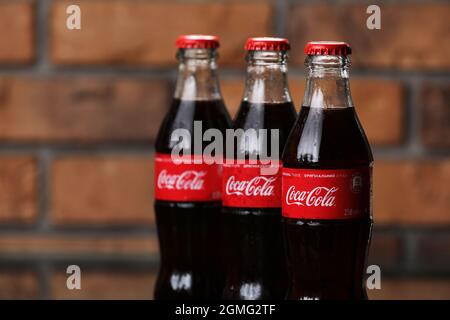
(257, 186)
(317, 197)
(187, 180)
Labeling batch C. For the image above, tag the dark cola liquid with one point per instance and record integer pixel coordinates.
(188, 232)
(326, 258)
(253, 239)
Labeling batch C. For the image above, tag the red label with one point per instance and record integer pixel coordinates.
(251, 185)
(186, 182)
(326, 194)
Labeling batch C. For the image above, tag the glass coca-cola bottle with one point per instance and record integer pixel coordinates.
(188, 195)
(326, 184)
(251, 195)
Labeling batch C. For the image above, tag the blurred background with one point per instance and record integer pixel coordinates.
(79, 111)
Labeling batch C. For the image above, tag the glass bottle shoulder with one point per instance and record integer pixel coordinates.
(183, 113)
(327, 138)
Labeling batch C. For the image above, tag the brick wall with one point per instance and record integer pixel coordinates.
(79, 111)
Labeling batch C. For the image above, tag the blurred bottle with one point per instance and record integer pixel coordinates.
(327, 183)
(252, 205)
(188, 196)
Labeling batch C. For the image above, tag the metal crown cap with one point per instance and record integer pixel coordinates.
(329, 48)
(197, 41)
(267, 44)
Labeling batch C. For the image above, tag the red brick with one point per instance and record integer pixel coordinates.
(412, 289)
(407, 39)
(435, 110)
(102, 190)
(105, 285)
(18, 285)
(18, 189)
(379, 105)
(80, 109)
(66, 245)
(144, 33)
(16, 32)
(412, 192)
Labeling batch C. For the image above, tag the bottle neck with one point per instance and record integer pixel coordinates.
(327, 84)
(197, 75)
(266, 80)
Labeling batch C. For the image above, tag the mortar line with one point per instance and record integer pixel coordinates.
(280, 8)
(82, 230)
(169, 73)
(146, 149)
(50, 262)
(409, 251)
(42, 40)
(44, 159)
(44, 275)
(380, 153)
(413, 107)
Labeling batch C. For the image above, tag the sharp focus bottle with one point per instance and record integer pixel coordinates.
(188, 195)
(251, 196)
(327, 183)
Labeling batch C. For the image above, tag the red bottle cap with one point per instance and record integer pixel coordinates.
(197, 41)
(327, 48)
(267, 44)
